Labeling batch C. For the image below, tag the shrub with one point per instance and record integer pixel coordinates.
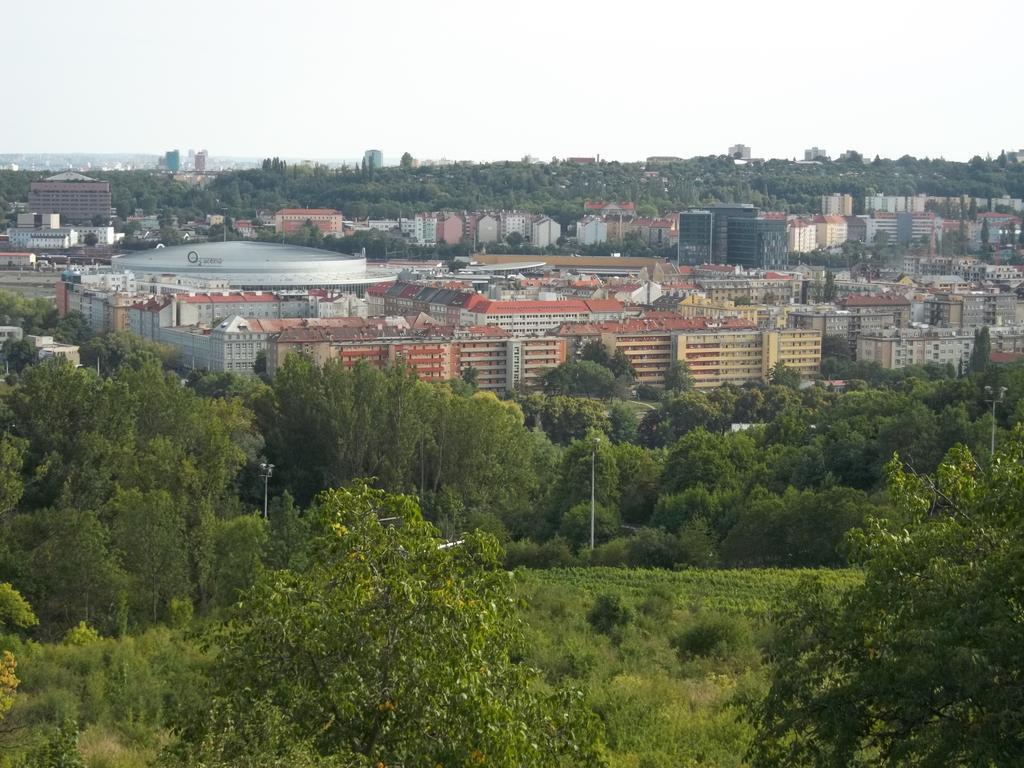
(715, 637)
(81, 634)
(609, 613)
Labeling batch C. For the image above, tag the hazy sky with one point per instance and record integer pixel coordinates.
(483, 81)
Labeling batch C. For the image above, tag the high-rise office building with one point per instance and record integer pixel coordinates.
(77, 198)
(200, 161)
(172, 160)
(759, 243)
(696, 232)
(704, 232)
(373, 158)
(739, 151)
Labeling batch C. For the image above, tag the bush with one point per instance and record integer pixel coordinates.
(713, 637)
(609, 613)
(659, 603)
(81, 634)
(530, 554)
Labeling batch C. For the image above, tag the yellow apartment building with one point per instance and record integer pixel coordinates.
(717, 357)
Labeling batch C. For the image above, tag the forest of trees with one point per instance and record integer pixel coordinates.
(130, 517)
(557, 188)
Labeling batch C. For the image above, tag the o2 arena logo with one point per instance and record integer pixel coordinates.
(194, 258)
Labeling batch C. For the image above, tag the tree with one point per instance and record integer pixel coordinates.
(90, 239)
(470, 376)
(920, 665)
(514, 239)
(15, 613)
(829, 292)
(406, 162)
(18, 354)
(73, 328)
(565, 419)
(835, 347)
(579, 378)
(784, 376)
(677, 376)
(390, 649)
(985, 235)
(982, 350)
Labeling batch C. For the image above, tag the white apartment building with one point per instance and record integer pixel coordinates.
(830, 231)
(591, 230)
(837, 205)
(544, 231)
(895, 203)
(898, 348)
(802, 236)
(424, 229)
(514, 221)
(487, 229)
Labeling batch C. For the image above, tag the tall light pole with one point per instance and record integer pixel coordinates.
(266, 470)
(593, 517)
(991, 397)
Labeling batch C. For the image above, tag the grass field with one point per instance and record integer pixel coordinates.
(662, 705)
(752, 592)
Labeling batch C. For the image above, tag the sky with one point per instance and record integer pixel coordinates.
(323, 79)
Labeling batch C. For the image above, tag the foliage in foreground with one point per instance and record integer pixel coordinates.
(922, 664)
(391, 648)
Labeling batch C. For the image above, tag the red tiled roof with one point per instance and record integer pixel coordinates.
(308, 212)
(604, 305)
(1005, 357)
(652, 325)
(231, 298)
(599, 205)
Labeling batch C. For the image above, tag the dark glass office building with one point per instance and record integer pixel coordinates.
(696, 233)
(758, 243)
(704, 232)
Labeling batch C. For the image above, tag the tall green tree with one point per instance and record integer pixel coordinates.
(677, 377)
(149, 535)
(982, 350)
(922, 664)
(393, 648)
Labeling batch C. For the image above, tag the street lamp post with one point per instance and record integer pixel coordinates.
(992, 397)
(266, 470)
(593, 517)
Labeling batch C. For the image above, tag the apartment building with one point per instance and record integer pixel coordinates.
(591, 231)
(904, 227)
(424, 229)
(830, 231)
(290, 220)
(899, 306)
(777, 289)
(544, 231)
(845, 324)
(648, 343)
(486, 229)
(837, 205)
(697, 306)
(514, 221)
(895, 203)
(450, 228)
(502, 363)
(723, 356)
(970, 310)
(535, 318)
(899, 348)
(801, 236)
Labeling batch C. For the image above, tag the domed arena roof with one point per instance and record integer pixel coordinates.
(254, 266)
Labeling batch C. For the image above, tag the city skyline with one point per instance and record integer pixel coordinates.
(565, 80)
